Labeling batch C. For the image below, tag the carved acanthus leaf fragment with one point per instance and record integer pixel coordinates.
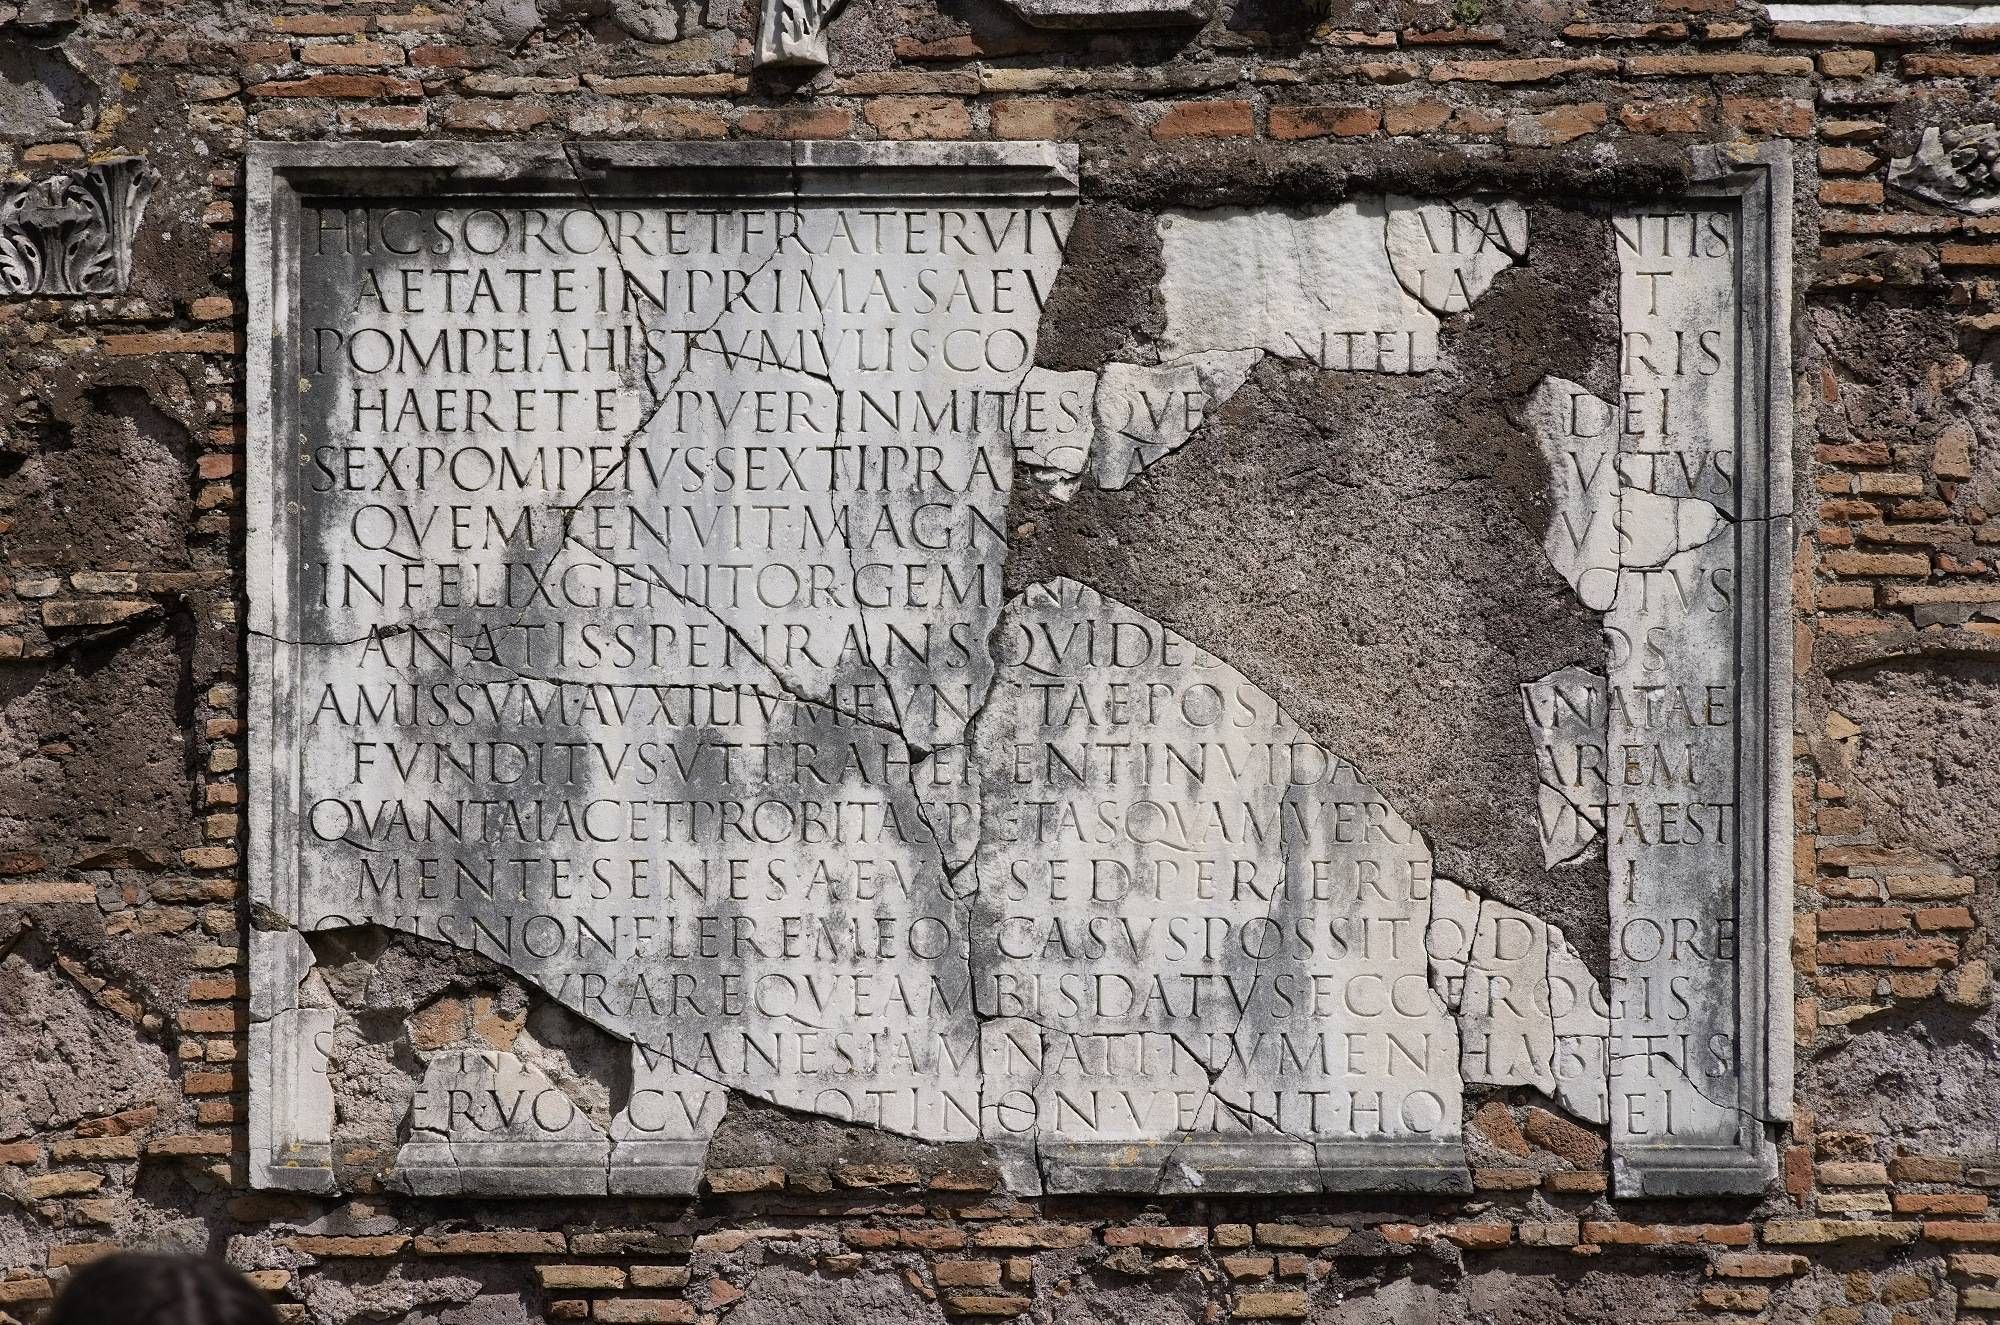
(1956, 168)
(72, 233)
(793, 32)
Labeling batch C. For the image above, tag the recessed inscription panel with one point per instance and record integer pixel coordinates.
(1673, 666)
(635, 618)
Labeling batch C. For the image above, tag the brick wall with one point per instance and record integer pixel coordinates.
(121, 896)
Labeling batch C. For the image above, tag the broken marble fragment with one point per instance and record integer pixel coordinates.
(1603, 516)
(659, 1140)
(1315, 285)
(1447, 253)
(1054, 426)
(1954, 168)
(1146, 414)
(1532, 1014)
(1577, 435)
(1652, 528)
(485, 1122)
(1507, 1035)
(1142, 920)
(793, 32)
(1448, 938)
(1121, 420)
(1565, 716)
(1582, 1016)
(1529, 1011)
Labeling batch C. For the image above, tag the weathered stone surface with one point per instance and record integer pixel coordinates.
(1146, 414)
(779, 889)
(1056, 450)
(1955, 171)
(71, 1060)
(1447, 253)
(125, 773)
(672, 676)
(1121, 420)
(486, 1122)
(71, 234)
(1575, 430)
(1110, 13)
(792, 32)
(1314, 285)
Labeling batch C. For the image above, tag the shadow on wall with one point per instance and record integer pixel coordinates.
(93, 743)
(110, 484)
(41, 92)
(1924, 769)
(1928, 760)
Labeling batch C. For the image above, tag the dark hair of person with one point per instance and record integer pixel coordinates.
(134, 1289)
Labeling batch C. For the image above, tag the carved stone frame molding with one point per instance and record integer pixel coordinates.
(291, 1101)
(1755, 185)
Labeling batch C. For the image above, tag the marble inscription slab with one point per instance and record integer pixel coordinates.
(630, 526)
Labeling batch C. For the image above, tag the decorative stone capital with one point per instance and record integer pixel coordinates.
(71, 234)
